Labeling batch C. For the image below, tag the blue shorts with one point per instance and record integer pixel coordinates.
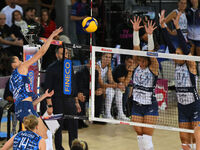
(190, 112)
(23, 109)
(144, 110)
(195, 42)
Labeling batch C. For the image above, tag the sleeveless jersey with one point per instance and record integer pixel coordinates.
(193, 18)
(185, 83)
(183, 23)
(26, 140)
(104, 72)
(144, 82)
(19, 85)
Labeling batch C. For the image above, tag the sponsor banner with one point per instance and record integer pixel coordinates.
(67, 77)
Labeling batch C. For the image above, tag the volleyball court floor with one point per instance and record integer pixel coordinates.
(118, 137)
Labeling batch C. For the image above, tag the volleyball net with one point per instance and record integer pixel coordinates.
(116, 104)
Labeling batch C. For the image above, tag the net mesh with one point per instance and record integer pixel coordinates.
(117, 106)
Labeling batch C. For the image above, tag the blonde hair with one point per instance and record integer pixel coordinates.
(30, 122)
(79, 145)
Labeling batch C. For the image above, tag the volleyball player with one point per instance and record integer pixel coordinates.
(185, 83)
(145, 106)
(193, 17)
(28, 139)
(182, 4)
(20, 87)
(110, 87)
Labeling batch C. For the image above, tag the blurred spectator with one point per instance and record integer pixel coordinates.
(11, 45)
(182, 4)
(19, 25)
(193, 18)
(80, 10)
(50, 6)
(31, 19)
(122, 74)
(8, 10)
(48, 24)
(30, 15)
(83, 80)
(79, 145)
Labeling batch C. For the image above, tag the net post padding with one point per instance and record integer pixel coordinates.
(173, 126)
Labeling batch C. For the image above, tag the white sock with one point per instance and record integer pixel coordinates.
(193, 146)
(118, 99)
(108, 101)
(147, 142)
(140, 142)
(49, 141)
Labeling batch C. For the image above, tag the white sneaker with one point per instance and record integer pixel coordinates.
(123, 117)
(108, 117)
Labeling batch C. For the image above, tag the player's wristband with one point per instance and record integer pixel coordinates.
(136, 39)
(49, 106)
(150, 42)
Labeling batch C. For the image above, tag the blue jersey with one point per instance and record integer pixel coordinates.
(80, 9)
(19, 85)
(26, 140)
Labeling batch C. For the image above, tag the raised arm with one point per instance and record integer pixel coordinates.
(24, 67)
(165, 33)
(183, 45)
(136, 28)
(182, 41)
(149, 28)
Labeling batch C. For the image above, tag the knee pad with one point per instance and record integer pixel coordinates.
(147, 142)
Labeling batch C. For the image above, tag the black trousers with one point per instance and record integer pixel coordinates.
(99, 100)
(66, 106)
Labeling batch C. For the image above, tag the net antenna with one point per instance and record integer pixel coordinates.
(168, 117)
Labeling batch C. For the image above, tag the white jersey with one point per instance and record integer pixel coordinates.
(143, 85)
(104, 72)
(185, 85)
(8, 12)
(183, 23)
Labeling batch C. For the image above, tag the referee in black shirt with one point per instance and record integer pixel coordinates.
(59, 102)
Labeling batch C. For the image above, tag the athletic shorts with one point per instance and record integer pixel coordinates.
(190, 112)
(195, 42)
(144, 110)
(23, 109)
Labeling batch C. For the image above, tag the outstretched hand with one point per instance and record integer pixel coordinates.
(56, 32)
(150, 27)
(49, 94)
(136, 23)
(176, 20)
(162, 19)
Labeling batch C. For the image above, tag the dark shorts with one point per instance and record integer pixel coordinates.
(195, 42)
(24, 109)
(190, 112)
(144, 110)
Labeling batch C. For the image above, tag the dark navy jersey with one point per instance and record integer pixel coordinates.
(26, 140)
(193, 18)
(19, 85)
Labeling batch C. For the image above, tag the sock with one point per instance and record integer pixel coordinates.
(118, 99)
(193, 146)
(49, 141)
(140, 142)
(185, 146)
(108, 101)
(147, 142)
